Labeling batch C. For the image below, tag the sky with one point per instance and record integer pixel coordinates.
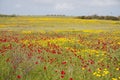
(60, 7)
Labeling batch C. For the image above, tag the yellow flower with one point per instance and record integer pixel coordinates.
(98, 75)
(117, 69)
(25, 41)
(26, 32)
(118, 42)
(83, 68)
(92, 31)
(103, 74)
(114, 79)
(94, 73)
(118, 77)
(106, 72)
(98, 69)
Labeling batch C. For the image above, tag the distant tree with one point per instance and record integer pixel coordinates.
(3, 15)
(99, 17)
(111, 18)
(119, 17)
(82, 17)
(95, 16)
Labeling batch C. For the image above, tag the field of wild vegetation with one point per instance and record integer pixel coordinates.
(59, 48)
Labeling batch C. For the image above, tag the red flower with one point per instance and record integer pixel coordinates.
(89, 70)
(45, 68)
(63, 72)
(64, 62)
(56, 71)
(18, 76)
(53, 51)
(14, 67)
(36, 62)
(8, 59)
(39, 50)
(71, 79)
(62, 76)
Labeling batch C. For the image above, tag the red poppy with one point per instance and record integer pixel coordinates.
(64, 62)
(36, 62)
(39, 50)
(62, 76)
(8, 59)
(18, 76)
(63, 72)
(45, 68)
(71, 79)
(53, 51)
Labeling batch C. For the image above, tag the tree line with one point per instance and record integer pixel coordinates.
(4, 15)
(99, 17)
(77, 17)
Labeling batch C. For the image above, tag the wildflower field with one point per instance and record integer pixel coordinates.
(59, 48)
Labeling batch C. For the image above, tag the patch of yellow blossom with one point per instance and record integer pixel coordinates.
(83, 68)
(42, 31)
(26, 32)
(67, 30)
(27, 42)
(90, 51)
(2, 25)
(42, 42)
(61, 41)
(101, 73)
(114, 79)
(93, 31)
(57, 41)
(119, 43)
(118, 77)
(117, 69)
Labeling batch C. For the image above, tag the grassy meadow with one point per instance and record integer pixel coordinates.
(59, 48)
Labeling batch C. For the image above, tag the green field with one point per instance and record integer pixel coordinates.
(55, 23)
(59, 48)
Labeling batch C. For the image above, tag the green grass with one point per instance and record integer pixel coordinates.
(64, 48)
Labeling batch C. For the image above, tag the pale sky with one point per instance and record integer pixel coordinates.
(66, 7)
